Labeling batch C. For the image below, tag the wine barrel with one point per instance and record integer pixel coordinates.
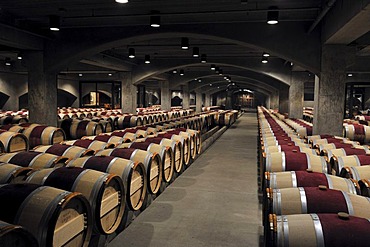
(13, 142)
(334, 154)
(54, 217)
(16, 236)
(139, 133)
(5, 120)
(151, 161)
(293, 179)
(19, 119)
(132, 174)
(197, 136)
(322, 149)
(72, 152)
(339, 230)
(80, 128)
(126, 135)
(355, 172)
(90, 144)
(176, 147)
(349, 161)
(192, 141)
(357, 132)
(303, 200)
(10, 173)
(43, 135)
(13, 128)
(184, 142)
(105, 192)
(116, 140)
(107, 125)
(127, 121)
(34, 159)
(294, 161)
(166, 154)
(289, 148)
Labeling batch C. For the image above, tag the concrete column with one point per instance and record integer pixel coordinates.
(198, 102)
(128, 93)
(296, 94)
(330, 89)
(186, 96)
(42, 91)
(229, 99)
(284, 99)
(208, 100)
(165, 96)
(274, 100)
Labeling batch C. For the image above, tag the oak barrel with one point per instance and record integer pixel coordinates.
(10, 173)
(14, 142)
(43, 135)
(34, 159)
(16, 236)
(70, 151)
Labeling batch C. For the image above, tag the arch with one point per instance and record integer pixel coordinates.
(64, 99)
(3, 99)
(78, 44)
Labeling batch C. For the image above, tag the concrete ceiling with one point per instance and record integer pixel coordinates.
(294, 43)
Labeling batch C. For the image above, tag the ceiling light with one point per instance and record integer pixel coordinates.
(182, 72)
(220, 72)
(210, 84)
(147, 59)
(349, 74)
(174, 71)
(264, 60)
(217, 70)
(184, 43)
(195, 51)
(199, 80)
(203, 58)
(19, 56)
(121, 1)
(213, 67)
(80, 75)
(155, 20)
(265, 54)
(8, 62)
(272, 16)
(218, 87)
(109, 74)
(131, 53)
(54, 23)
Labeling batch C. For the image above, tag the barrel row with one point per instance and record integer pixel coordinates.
(296, 194)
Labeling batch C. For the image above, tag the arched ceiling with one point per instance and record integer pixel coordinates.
(95, 37)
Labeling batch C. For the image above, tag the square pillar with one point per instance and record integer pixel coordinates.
(186, 96)
(42, 91)
(330, 90)
(296, 94)
(198, 102)
(165, 96)
(128, 93)
(284, 99)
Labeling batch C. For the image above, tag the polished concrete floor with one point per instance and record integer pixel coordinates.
(213, 203)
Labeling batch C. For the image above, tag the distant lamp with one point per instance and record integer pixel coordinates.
(174, 71)
(121, 1)
(182, 72)
(265, 54)
(155, 21)
(54, 23)
(131, 53)
(147, 59)
(273, 16)
(349, 74)
(213, 67)
(8, 62)
(203, 58)
(19, 56)
(184, 43)
(195, 51)
(265, 60)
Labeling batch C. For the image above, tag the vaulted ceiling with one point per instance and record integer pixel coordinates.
(233, 34)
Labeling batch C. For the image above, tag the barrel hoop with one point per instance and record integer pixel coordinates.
(351, 186)
(294, 179)
(302, 193)
(355, 173)
(279, 220)
(348, 202)
(308, 161)
(277, 201)
(273, 180)
(318, 230)
(286, 231)
(340, 163)
(329, 180)
(268, 164)
(283, 163)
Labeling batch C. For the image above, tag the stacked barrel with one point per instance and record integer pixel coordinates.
(308, 114)
(304, 198)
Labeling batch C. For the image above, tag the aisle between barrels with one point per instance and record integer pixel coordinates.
(213, 203)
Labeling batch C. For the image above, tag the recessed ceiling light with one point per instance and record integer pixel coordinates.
(349, 74)
(121, 1)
